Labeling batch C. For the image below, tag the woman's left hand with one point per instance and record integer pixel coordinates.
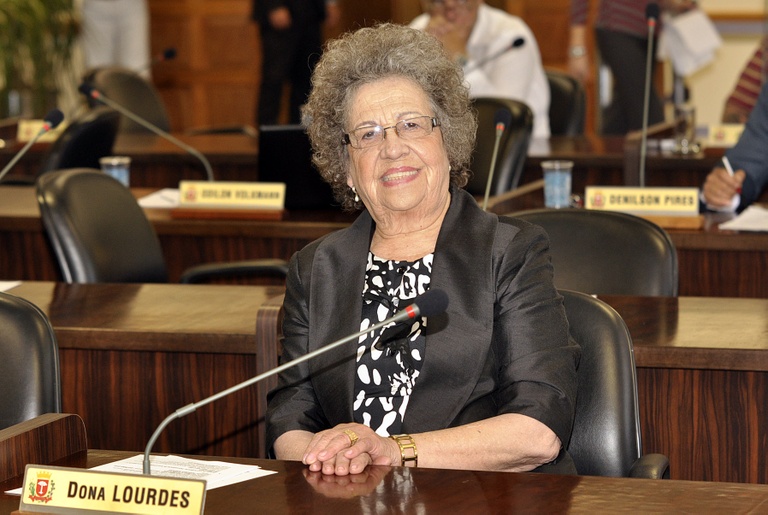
(348, 449)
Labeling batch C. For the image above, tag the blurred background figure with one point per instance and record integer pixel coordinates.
(621, 33)
(116, 33)
(291, 40)
(743, 98)
(481, 38)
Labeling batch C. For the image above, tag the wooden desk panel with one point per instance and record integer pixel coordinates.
(295, 490)
(132, 354)
(712, 262)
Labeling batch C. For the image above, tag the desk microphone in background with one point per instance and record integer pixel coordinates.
(516, 43)
(501, 120)
(652, 15)
(166, 55)
(50, 122)
(431, 303)
(89, 91)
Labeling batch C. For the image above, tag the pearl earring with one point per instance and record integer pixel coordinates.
(357, 197)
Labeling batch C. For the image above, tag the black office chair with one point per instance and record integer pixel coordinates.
(87, 139)
(606, 438)
(513, 147)
(99, 233)
(135, 93)
(567, 104)
(607, 252)
(29, 362)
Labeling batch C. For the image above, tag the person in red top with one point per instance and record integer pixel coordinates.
(744, 95)
(621, 32)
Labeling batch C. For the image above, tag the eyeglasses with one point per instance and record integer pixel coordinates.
(441, 4)
(371, 136)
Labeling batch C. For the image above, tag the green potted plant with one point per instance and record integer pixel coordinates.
(36, 42)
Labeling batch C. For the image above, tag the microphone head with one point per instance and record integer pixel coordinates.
(53, 118)
(502, 118)
(431, 303)
(169, 53)
(86, 89)
(652, 11)
(517, 42)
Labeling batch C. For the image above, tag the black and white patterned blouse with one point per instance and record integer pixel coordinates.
(384, 379)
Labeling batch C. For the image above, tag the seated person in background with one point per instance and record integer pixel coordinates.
(744, 95)
(488, 385)
(472, 33)
(749, 159)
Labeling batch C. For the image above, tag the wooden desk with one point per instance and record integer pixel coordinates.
(132, 354)
(712, 262)
(158, 163)
(419, 490)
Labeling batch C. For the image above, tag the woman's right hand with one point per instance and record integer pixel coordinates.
(349, 449)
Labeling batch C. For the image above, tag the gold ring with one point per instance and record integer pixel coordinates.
(353, 438)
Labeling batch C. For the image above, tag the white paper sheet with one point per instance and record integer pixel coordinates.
(165, 198)
(215, 473)
(7, 285)
(754, 218)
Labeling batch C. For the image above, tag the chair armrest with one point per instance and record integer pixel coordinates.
(650, 466)
(265, 267)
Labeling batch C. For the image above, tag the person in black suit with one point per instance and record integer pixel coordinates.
(291, 40)
(490, 384)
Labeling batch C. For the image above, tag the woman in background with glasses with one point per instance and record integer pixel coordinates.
(490, 384)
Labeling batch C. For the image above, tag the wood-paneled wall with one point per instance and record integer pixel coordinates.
(214, 79)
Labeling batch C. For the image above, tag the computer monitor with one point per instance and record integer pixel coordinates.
(285, 155)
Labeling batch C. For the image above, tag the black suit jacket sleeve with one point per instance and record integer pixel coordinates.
(501, 347)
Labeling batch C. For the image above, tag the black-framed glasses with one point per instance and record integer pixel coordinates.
(371, 135)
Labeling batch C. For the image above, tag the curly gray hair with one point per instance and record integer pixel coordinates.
(370, 54)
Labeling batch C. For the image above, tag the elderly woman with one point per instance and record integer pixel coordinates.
(489, 385)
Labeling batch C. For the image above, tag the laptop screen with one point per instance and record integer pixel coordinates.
(285, 155)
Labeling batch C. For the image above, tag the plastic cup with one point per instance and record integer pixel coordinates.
(118, 167)
(557, 183)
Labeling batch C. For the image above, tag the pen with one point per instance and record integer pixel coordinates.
(728, 166)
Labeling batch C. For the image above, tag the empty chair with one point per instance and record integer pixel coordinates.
(567, 104)
(513, 146)
(606, 438)
(139, 96)
(99, 233)
(87, 139)
(29, 368)
(607, 252)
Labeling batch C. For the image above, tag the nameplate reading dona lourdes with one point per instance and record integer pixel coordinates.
(67, 490)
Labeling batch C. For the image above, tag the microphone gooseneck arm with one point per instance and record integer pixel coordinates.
(652, 14)
(434, 302)
(51, 121)
(516, 43)
(97, 95)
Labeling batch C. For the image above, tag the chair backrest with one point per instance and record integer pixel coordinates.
(133, 92)
(84, 141)
(606, 438)
(513, 146)
(567, 104)
(607, 252)
(29, 362)
(97, 229)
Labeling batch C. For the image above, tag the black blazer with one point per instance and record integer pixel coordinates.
(502, 346)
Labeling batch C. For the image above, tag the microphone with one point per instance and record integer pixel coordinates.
(432, 302)
(166, 55)
(652, 15)
(89, 91)
(501, 119)
(50, 122)
(516, 43)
